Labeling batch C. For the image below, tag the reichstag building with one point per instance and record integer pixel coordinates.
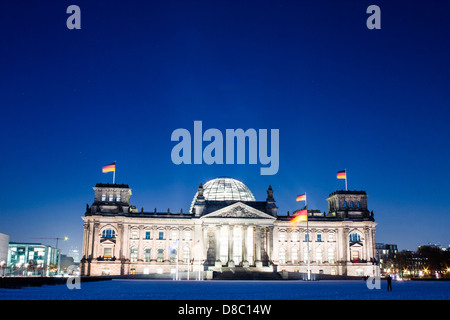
(226, 229)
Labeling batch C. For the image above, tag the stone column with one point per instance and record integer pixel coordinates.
(95, 239)
(244, 246)
(119, 242)
(217, 247)
(230, 246)
(270, 243)
(258, 262)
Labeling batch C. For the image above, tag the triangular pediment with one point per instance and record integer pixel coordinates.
(108, 241)
(238, 210)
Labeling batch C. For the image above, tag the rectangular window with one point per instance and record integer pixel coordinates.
(282, 236)
(319, 238)
(118, 199)
(147, 235)
(187, 235)
(306, 237)
(161, 236)
(294, 236)
(107, 252)
(134, 235)
(111, 197)
(103, 197)
(174, 235)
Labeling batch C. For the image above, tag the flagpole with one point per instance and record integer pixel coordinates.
(307, 232)
(346, 189)
(114, 173)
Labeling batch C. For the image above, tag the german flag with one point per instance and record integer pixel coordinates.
(109, 168)
(301, 197)
(342, 174)
(300, 215)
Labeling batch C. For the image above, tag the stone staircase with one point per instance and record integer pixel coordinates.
(245, 274)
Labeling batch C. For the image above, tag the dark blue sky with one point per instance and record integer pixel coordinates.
(373, 101)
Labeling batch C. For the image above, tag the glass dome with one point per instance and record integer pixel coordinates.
(224, 189)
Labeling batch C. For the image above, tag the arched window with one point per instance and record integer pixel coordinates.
(330, 255)
(319, 255)
(147, 255)
(186, 254)
(173, 255)
(354, 237)
(133, 254)
(305, 254)
(351, 204)
(294, 255)
(109, 234)
(160, 256)
(282, 256)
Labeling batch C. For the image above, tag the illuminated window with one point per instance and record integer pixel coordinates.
(294, 255)
(173, 255)
(331, 255)
(282, 256)
(147, 255)
(319, 255)
(111, 197)
(107, 252)
(118, 198)
(305, 254)
(160, 256)
(133, 254)
(294, 236)
(103, 197)
(186, 254)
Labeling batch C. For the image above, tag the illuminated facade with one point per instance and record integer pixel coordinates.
(226, 229)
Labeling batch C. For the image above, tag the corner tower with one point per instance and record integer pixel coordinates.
(349, 205)
(110, 198)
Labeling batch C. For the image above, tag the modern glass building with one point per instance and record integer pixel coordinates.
(29, 259)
